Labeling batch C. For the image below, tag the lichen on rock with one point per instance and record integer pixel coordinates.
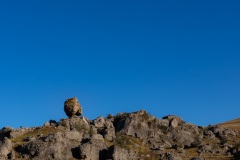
(72, 107)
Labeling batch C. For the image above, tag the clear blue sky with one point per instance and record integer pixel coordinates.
(167, 57)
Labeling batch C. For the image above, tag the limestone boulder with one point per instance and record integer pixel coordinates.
(118, 153)
(109, 132)
(99, 122)
(134, 124)
(74, 123)
(93, 149)
(5, 147)
(72, 107)
(174, 121)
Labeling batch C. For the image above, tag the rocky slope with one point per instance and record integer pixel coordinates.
(125, 136)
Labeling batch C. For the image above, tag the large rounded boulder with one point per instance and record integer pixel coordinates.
(72, 107)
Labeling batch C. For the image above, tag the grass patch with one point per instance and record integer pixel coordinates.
(43, 131)
(123, 141)
(80, 127)
(134, 144)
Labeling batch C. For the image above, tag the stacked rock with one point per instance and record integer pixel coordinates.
(72, 107)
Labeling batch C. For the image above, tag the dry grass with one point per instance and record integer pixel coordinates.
(132, 143)
(108, 143)
(192, 152)
(42, 131)
(235, 124)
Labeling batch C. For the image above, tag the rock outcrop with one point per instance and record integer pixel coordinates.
(134, 136)
(5, 148)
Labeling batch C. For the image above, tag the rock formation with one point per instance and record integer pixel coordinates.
(5, 148)
(126, 136)
(72, 107)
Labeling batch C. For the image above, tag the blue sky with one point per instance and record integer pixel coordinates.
(167, 57)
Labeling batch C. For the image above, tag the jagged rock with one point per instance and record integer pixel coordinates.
(118, 153)
(74, 123)
(183, 139)
(110, 116)
(209, 133)
(134, 124)
(109, 132)
(74, 135)
(5, 147)
(93, 149)
(224, 134)
(72, 107)
(99, 122)
(53, 146)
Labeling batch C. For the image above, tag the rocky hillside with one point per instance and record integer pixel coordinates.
(125, 136)
(234, 124)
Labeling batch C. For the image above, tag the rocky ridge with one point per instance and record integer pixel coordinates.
(125, 136)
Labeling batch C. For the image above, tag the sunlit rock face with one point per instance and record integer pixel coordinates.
(72, 107)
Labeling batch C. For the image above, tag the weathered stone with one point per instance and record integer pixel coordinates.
(72, 107)
(5, 147)
(53, 146)
(74, 123)
(224, 134)
(94, 149)
(118, 153)
(109, 132)
(182, 139)
(73, 135)
(174, 123)
(205, 149)
(46, 124)
(52, 123)
(133, 124)
(99, 122)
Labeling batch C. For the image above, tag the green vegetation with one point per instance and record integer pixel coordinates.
(90, 131)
